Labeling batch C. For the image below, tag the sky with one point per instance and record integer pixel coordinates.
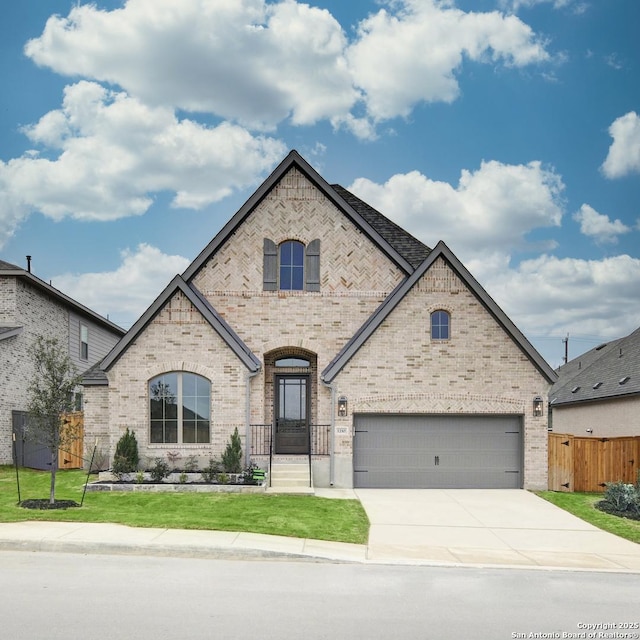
(131, 131)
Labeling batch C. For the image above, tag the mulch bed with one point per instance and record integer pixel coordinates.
(608, 508)
(45, 504)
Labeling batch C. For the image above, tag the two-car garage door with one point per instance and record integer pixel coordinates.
(438, 452)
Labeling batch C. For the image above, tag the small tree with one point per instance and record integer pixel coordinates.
(126, 458)
(232, 456)
(50, 398)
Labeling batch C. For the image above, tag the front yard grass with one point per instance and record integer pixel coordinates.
(295, 516)
(582, 505)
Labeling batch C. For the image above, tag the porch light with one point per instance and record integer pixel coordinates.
(342, 407)
(537, 407)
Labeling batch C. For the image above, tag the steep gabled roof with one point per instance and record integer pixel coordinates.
(8, 269)
(610, 370)
(206, 310)
(395, 297)
(402, 241)
(371, 225)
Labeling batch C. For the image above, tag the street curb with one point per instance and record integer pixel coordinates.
(184, 551)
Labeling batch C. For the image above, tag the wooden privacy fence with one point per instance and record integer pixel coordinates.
(71, 457)
(586, 464)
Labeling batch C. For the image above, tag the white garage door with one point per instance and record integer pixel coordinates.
(437, 452)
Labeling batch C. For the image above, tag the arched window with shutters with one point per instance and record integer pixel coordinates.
(291, 266)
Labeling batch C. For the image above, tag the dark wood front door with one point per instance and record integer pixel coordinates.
(292, 414)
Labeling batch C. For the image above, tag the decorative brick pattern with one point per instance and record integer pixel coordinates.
(400, 369)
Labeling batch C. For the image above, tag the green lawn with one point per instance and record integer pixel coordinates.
(583, 506)
(283, 515)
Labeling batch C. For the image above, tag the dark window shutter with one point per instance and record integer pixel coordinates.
(312, 266)
(270, 266)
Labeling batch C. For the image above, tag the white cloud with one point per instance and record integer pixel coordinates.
(260, 63)
(125, 293)
(515, 5)
(109, 153)
(409, 57)
(248, 61)
(550, 296)
(491, 209)
(598, 225)
(485, 221)
(624, 153)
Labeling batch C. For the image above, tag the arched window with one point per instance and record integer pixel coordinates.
(292, 361)
(179, 408)
(291, 266)
(440, 325)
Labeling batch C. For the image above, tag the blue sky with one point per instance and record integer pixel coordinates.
(130, 132)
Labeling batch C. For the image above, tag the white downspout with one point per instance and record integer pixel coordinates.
(247, 453)
(332, 437)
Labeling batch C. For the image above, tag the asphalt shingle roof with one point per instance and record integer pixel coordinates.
(609, 370)
(410, 248)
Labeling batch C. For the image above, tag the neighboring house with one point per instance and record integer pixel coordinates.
(315, 325)
(29, 307)
(598, 393)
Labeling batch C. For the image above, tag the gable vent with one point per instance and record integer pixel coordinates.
(575, 389)
(597, 385)
(624, 380)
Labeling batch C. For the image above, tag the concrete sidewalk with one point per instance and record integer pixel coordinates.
(431, 527)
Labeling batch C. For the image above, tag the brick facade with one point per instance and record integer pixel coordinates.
(479, 370)
(37, 309)
(37, 314)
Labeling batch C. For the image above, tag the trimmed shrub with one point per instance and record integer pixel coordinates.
(211, 471)
(621, 499)
(160, 470)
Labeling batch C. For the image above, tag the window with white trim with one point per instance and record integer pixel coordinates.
(179, 408)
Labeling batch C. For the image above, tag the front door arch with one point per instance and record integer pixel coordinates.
(290, 398)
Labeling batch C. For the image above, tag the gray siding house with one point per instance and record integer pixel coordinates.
(29, 307)
(325, 333)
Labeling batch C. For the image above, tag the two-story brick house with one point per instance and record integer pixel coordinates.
(319, 328)
(29, 307)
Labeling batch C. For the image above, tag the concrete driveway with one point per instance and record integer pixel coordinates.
(487, 527)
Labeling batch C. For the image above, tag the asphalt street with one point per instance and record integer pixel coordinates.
(57, 596)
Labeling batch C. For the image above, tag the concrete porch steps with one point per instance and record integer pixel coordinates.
(289, 477)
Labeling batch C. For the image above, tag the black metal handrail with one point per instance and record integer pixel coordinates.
(262, 443)
(262, 439)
